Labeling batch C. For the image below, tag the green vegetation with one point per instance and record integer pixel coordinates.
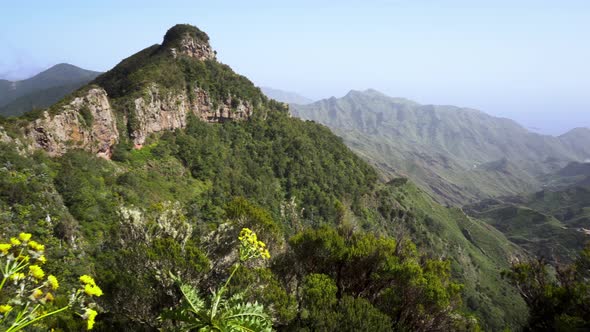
(348, 252)
(219, 313)
(557, 297)
(175, 204)
(549, 223)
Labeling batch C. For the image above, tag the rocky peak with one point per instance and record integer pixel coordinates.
(137, 98)
(184, 39)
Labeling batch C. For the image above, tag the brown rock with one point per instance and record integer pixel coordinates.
(69, 128)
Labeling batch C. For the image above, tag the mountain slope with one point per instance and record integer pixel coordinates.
(43, 89)
(459, 155)
(573, 138)
(550, 224)
(285, 96)
(157, 164)
(553, 223)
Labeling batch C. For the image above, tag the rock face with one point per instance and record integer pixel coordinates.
(156, 112)
(4, 138)
(194, 48)
(87, 122)
(189, 41)
(230, 109)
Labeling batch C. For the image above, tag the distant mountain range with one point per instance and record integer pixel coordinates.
(459, 155)
(43, 89)
(285, 96)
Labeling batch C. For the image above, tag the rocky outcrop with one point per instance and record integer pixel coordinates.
(87, 122)
(189, 41)
(4, 138)
(157, 112)
(230, 109)
(195, 48)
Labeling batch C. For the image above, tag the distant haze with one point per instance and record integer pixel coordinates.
(526, 60)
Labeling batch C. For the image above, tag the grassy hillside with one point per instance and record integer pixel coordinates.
(458, 155)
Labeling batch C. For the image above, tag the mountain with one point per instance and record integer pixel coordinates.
(285, 96)
(155, 166)
(573, 138)
(43, 89)
(458, 155)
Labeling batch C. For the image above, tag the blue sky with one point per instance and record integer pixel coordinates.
(526, 60)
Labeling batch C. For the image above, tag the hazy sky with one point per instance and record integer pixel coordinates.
(523, 59)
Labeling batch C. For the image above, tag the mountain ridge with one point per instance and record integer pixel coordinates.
(43, 89)
(442, 146)
(285, 96)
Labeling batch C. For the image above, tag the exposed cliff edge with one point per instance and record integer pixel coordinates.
(87, 122)
(152, 91)
(157, 112)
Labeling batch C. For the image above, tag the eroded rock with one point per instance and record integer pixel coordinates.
(87, 122)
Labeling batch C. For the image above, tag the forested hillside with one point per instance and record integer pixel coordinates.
(147, 177)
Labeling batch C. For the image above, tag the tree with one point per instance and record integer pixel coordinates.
(558, 296)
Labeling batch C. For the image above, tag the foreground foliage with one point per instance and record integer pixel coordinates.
(220, 313)
(27, 294)
(557, 297)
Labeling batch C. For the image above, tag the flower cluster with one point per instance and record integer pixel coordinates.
(250, 246)
(26, 289)
(90, 287)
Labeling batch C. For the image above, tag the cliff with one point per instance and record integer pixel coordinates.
(87, 122)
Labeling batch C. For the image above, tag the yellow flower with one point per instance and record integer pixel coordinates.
(37, 293)
(266, 254)
(4, 247)
(36, 246)
(87, 280)
(245, 232)
(52, 280)
(17, 276)
(42, 259)
(5, 308)
(49, 297)
(90, 316)
(15, 241)
(24, 236)
(92, 290)
(36, 272)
